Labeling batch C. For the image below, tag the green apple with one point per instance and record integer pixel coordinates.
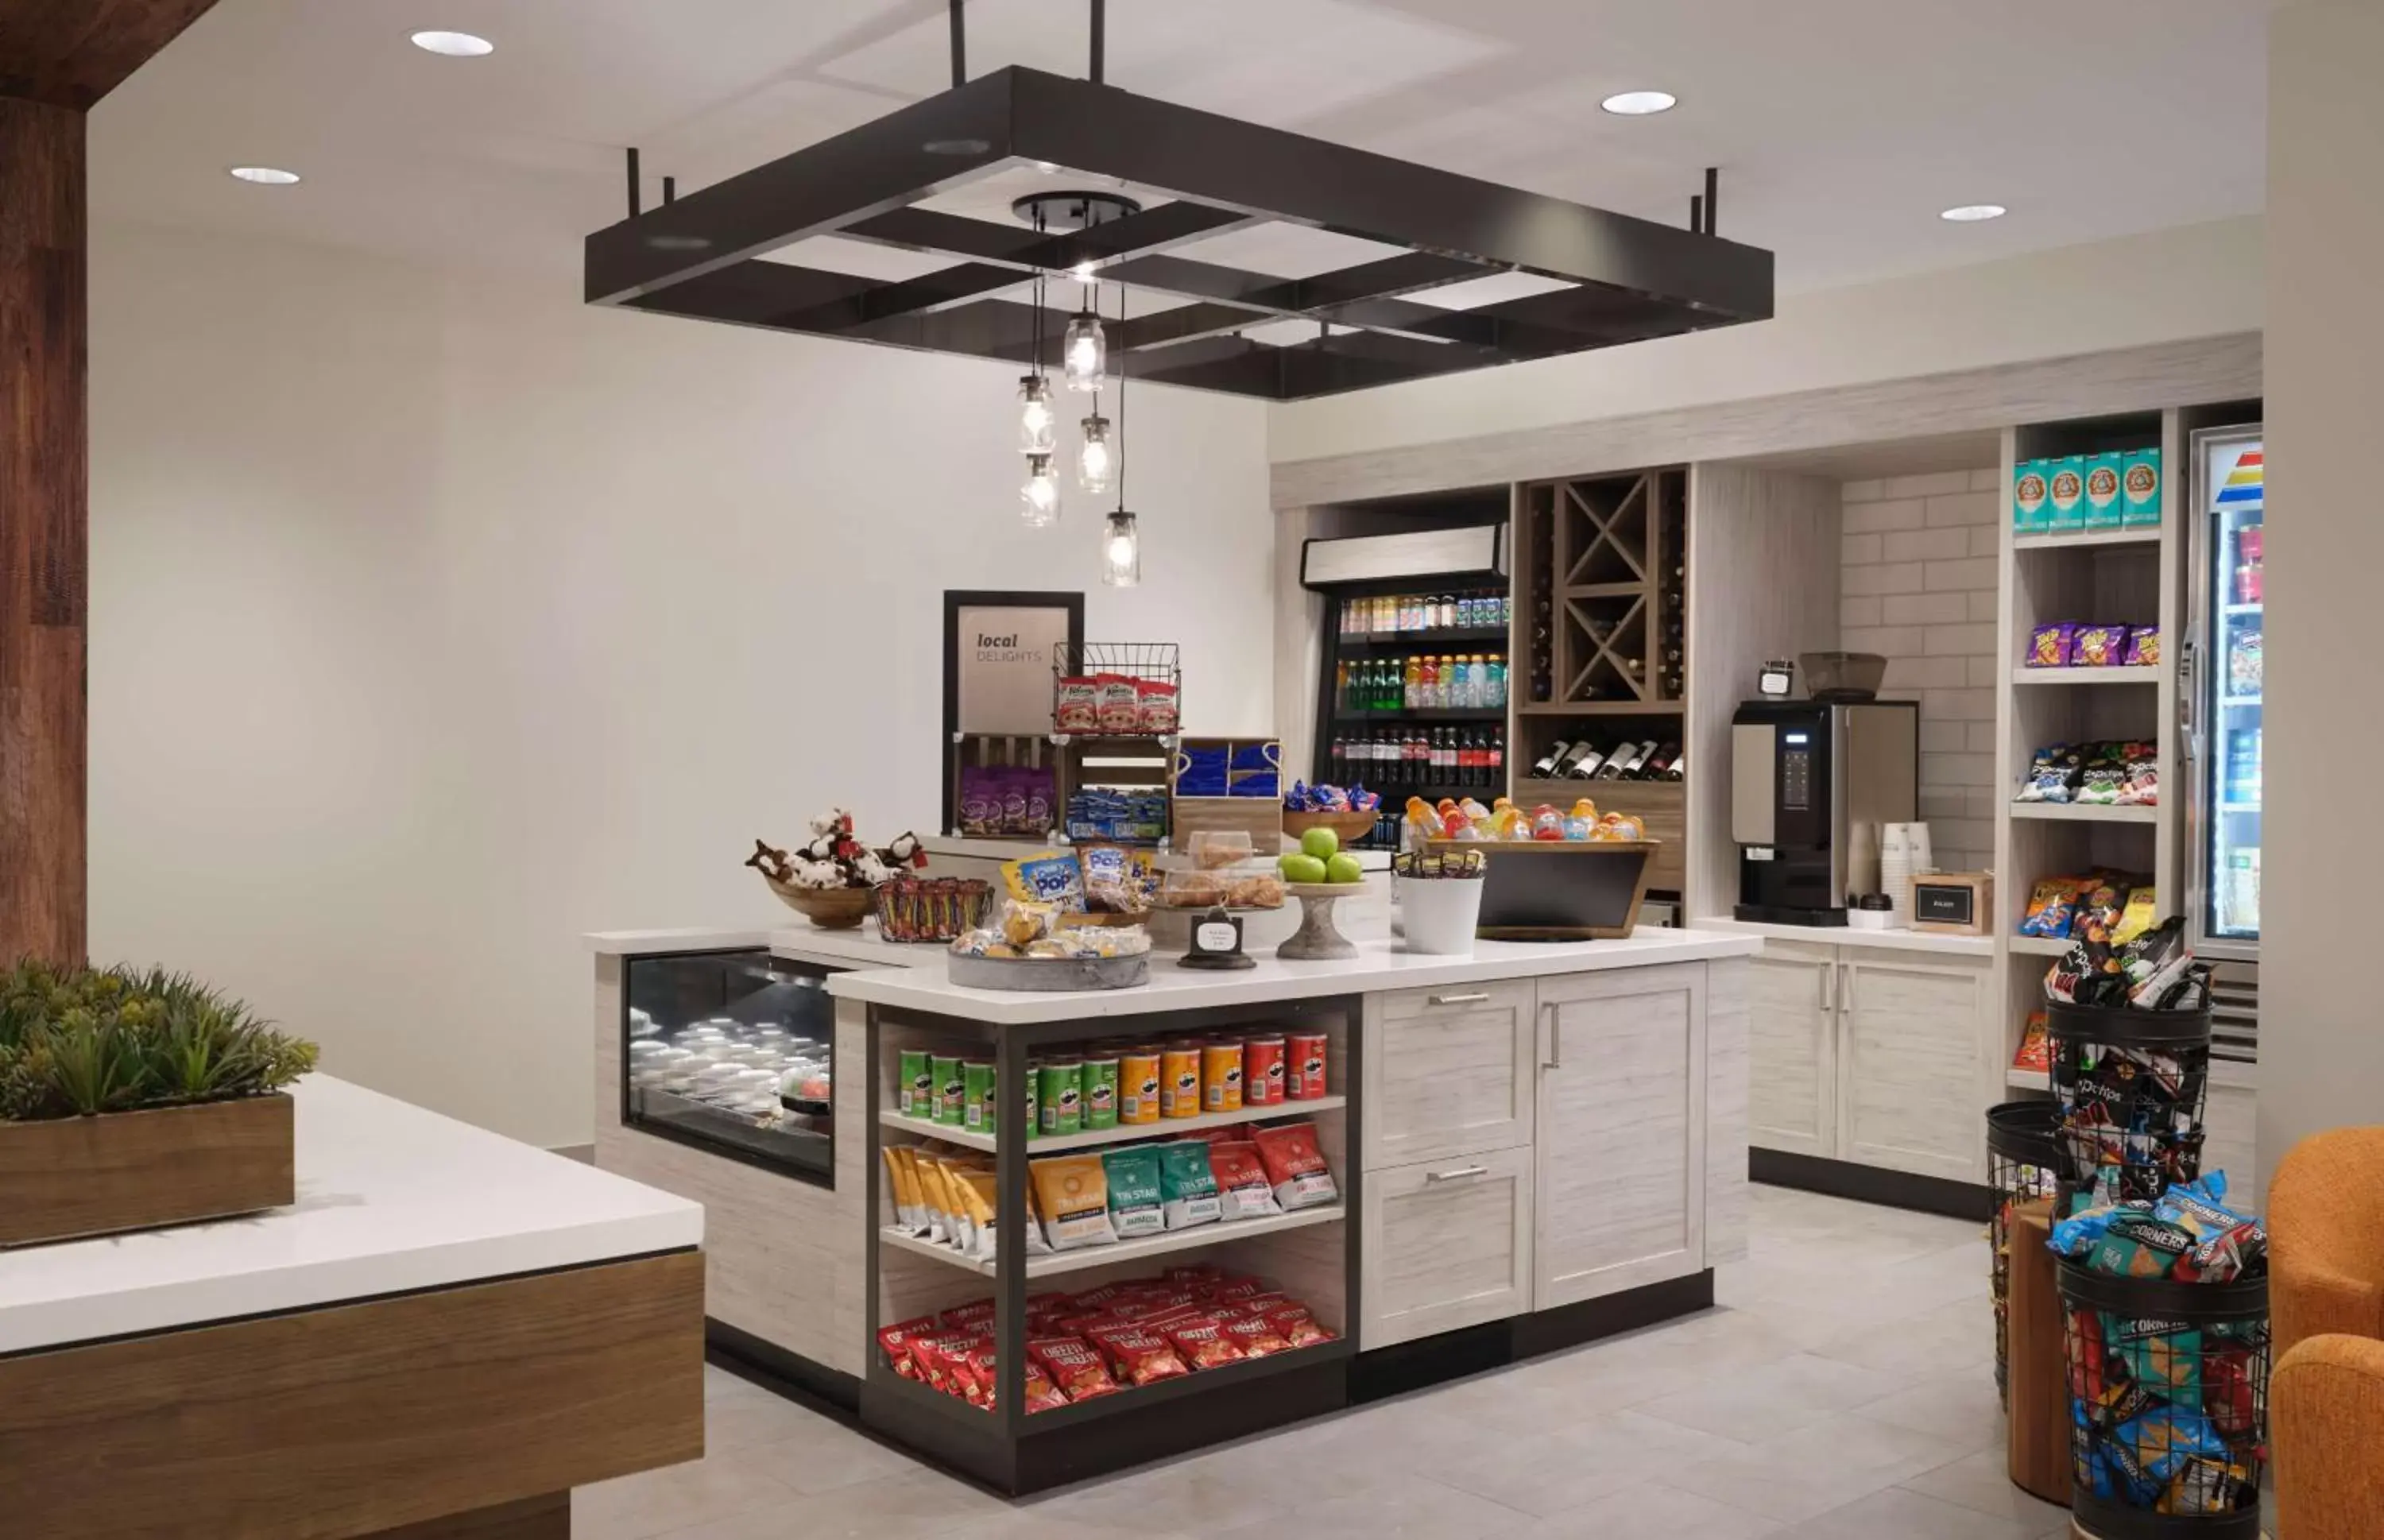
(1321, 843)
(1303, 868)
(1344, 868)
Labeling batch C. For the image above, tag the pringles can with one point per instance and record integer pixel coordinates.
(1063, 1096)
(1304, 1074)
(1262, 1072)
(1220, 1077)
(918, 1089)
(951, 1090)
(978, 1098)
(1179, 1081)
(1099, 1080)
(1138, 1082)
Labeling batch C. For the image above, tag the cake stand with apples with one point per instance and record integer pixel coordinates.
(1320, 874)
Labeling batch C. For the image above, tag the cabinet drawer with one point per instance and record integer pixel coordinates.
(1447, 1071)
(1447, 1243)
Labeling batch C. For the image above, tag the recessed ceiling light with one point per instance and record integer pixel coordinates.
(267, 176)
(1085, 271)
(1970, 214)
(1639, 104)
(455, 45)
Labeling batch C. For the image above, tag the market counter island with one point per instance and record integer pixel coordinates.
(1504, 1154)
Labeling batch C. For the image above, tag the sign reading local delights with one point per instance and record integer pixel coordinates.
(1001, 659)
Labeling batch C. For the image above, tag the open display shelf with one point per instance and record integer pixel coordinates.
(2023, 674)
(1046, 1264)
(2040, 945)
(1053, 1144)
(2086, 812)
(2074, 540)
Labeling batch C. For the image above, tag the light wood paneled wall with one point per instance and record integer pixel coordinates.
(1729, 1057)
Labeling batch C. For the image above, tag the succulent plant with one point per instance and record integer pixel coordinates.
(78, 1042)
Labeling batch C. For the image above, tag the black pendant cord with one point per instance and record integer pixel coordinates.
(960, 46)
(1100, 39)
(1121, 422)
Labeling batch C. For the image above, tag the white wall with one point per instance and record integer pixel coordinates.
(434, 624)
(2321, 1053)
(2196, 281)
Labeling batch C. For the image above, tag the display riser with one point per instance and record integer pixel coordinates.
(1893, 1189)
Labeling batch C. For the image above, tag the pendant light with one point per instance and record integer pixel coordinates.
(1037, 424)
(1039, 499)
(1121, 542)
(1083, 358)
(1095, 461)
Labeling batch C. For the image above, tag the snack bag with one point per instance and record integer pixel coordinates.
(2142, 914)
(1041, 1393)
(2048, 646)
(1141, 1357)
(1135, 1207)
(2052, 774)
(1121, 703)
(2051, 908)
(2035, 1045)
(1079, 706)
(1188, 1188)
(1242, 1180)
(2098, 647)
(1048, 879)
(910, 1209)
(1155, 706)
(2105, 776)
(1071, 1197)
(1297, 1325)
(2143, 647)
(1115, 879)
(895, 1343)
(1204, 1344)
(1295, 1166)
(1075, 1370)
(2141, 786)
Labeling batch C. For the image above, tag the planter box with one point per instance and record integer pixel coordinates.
(138, 1171)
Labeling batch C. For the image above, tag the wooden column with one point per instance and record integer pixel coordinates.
(56, 58)
(44, 504)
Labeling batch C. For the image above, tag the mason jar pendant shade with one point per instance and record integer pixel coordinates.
(1037, 424)
(1038, 500)
(1094, 463)
(1084, 355)
(1121, 551)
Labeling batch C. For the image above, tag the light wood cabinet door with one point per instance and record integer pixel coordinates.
(1619, 1177)
(1792, 1036)
(1908, 1068)
(1447, 1071)
(1447, 1243)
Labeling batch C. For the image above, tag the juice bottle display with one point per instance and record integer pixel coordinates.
(1428, 688)
(1497, 695)
(1411, 694)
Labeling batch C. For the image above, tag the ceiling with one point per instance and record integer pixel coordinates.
(1842, 127)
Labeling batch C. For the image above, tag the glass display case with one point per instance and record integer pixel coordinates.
(735, 1052)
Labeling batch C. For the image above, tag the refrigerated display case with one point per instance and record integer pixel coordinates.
(734, 1052)
(2224, 662)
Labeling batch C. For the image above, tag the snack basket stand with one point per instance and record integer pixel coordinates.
(2169, 1389)
(2131, 1085)
(1116, 756)
(2024, 1165)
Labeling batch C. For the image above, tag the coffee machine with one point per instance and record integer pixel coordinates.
(1811, 784)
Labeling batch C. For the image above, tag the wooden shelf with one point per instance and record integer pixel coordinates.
(1422, 715)
(1422, 642)
(2029, 1080)
(1044, 1264)
(1054, 1144)
(2081, 539)
(2086, 812)
(2023, 674)
(1600, 708)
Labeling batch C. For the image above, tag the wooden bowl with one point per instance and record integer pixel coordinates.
(829, 908)
(1348, 825)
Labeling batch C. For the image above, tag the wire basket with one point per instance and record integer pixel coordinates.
(2131, 1085)
(2024, 1165)
(930, 909)
(2169, 1386)
(1151, 671)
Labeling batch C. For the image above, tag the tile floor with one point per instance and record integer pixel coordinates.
(1842, 1389)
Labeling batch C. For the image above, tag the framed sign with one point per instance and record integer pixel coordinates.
(997, 655)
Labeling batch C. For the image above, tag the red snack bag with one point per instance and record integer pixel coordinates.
(1204, 1344)
(1297, 1326)
(1095, 1298)
(975, 1316)
(895, 1341)
(1077, 708)
(1074, 1367)
(1295, 1166)
(1193, 1275)
(1121, 703)
(932, 1354)
(1256, 1336)
(1242, 1180)
(1242, 1287)
(1142, 1358)
(984, 1384)
(1041, 1393)
(1155, 705)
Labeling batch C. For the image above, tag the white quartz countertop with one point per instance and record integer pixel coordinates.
(390, 1199)
(1378, 965)
(1848, 935)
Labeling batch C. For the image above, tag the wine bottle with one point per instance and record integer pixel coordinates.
(1582, 763)
(1618, 761)
(1658, 763)
(1551, 764)
(1679, 768)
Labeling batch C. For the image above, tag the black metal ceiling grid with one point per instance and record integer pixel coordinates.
(699, 257)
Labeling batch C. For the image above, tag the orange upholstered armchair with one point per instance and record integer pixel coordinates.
(2326, 1395)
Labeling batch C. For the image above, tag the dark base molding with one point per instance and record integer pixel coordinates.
(1453, 1355)
(542, 1518)
(773, 1368)
(1895, 1189)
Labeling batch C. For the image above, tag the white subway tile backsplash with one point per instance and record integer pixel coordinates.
(1859, 612)
(1982, 605)
(1924, 609)
(1869, 519)
(1856, 550)
(1933, 485)
(1986, 670)
(1988, 480)
(1958, 705)
(1983, 737)
(1888, 641)
(1966, 770)
(1862, 491)
(1943, 802)
(1924, 545)
(1964, 508)
(1909, 672)
(1945, 738)
(1945, 641)
(1986, 540)
(1971, 571)
(1894, 578)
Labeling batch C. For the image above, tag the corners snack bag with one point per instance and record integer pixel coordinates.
(1242, 1180)
(1187, 1186)
(1295, 1166)
(1071, 1194)
(1136, 1205)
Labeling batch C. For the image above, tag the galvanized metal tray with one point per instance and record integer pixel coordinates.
(1036, 975)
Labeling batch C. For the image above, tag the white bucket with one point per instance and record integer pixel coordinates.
(1441, 914)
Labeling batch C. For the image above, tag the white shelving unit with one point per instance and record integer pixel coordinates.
(2074, 540)
(2024, 675)
(2038, 945)
(1143, 1247)
(2084, 813)
(1124, 1133)
(2029, 1080)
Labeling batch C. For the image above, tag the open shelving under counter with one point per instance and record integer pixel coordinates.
(1124, 1133)
(1043, 1264)
(2087, 812)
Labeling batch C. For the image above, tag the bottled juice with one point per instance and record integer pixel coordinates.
(1429, 690)
(1498, 690)
(1412, 693)
(1341, 686)
(1477, 681)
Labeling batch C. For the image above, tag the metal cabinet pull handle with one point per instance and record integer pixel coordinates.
(1555, 1060)
(1460, 999)
(1459, 1174)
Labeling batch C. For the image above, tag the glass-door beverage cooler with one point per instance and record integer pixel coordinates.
(2225, 661)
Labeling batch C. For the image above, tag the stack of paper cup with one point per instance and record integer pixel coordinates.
(1903, 854)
